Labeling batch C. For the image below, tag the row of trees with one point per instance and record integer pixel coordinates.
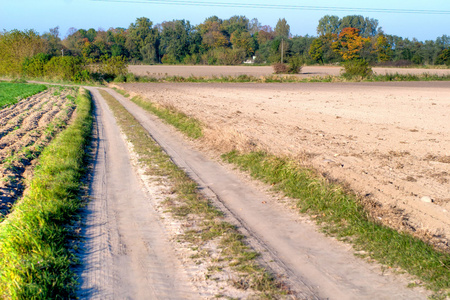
(372, 44)
(230, 41)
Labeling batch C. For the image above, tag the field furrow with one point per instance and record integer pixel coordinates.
(26, 128)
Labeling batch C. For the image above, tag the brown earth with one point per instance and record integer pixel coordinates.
(23, 134)
(159, 71)
(389, 142)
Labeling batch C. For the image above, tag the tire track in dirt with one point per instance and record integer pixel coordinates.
(315, 267)
(126, 254)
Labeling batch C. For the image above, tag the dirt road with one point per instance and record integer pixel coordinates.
(389, 142)
(127, 254)
(129, 257)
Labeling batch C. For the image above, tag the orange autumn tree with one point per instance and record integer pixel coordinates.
(349, 43)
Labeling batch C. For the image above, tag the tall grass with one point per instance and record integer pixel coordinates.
(11, 93)
(34, 256)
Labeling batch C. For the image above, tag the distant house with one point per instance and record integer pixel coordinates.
(250, 60)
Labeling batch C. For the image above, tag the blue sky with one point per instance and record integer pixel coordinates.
(45, 14)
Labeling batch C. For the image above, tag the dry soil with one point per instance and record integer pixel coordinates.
(389, 142)
(159, 71)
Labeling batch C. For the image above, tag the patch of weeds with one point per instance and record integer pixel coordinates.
(122, 92)
(342, 214)
(190, 126)
(189, 203)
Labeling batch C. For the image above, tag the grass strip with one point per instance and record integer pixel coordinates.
(11, 93)
(344, 216)
(189, 203)
(189, 126)
(34, 256)
(291, 78)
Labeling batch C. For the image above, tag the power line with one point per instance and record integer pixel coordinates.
(280, 6)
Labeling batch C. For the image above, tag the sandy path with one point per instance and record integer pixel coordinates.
(127, 255)
(389, 141)
(317, 267)
(257, 71)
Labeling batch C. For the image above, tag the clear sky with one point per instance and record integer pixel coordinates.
(45, 14)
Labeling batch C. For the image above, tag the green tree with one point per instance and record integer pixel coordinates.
(235, 23)
(175, 39)
(243, 40)
(15, 46)
(367, 27)
(382, 48)
(444, 57)
(329, 25)
(282, 29)
(316, 50)
(53, 41)
(142, 41)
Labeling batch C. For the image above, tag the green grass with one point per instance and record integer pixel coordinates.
(11, 93)
(343, 215)
(189, 203)
(34, 256)
(292, 78)
(191, 127)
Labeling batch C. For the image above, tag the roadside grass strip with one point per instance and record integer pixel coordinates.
(35, 258)
(189, 126)
(188, 203)
(342, 214)
(276, 78)
(11, 93)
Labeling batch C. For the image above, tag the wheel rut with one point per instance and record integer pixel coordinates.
(126, 253)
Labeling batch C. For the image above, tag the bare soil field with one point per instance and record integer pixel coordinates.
(388, 142)
(25, 128)
(159, 71)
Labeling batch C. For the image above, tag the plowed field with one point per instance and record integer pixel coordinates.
(25, 129)
(388, 142)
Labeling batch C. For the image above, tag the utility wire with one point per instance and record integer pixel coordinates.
(280, 6)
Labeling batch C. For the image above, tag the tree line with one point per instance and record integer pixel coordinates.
(219, 41)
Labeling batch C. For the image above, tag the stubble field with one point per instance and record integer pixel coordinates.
(388, 142)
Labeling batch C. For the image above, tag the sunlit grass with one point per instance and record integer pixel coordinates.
(11, 93)
(34, 256)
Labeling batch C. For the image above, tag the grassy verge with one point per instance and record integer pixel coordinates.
(11, 93)
(188, 203)
(34, 258)
(344, 216)
(291, 78)
(189, 126)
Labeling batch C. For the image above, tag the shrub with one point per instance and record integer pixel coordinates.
(130, 77)
(34, 66)
(169, 59)
(295, 65)
(279, 68)
(357, 68)
(65, 68)
(120, 78)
